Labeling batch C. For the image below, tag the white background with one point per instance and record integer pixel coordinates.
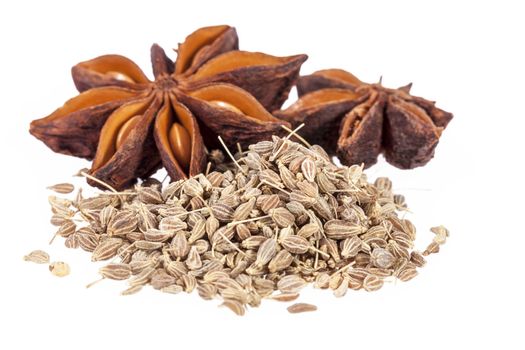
(467, 57)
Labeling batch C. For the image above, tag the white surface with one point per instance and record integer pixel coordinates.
(467, 57)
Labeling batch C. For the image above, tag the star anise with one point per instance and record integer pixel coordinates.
(130, 125)
(357, 121)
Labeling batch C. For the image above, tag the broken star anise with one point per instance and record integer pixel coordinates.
(130, 125)
(357, 121)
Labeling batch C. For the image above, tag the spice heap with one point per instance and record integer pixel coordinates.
(282, 215)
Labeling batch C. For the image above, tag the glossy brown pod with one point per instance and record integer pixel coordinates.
(327, 78)
(171, 113)
(361, 132)
(267, 78)
(233, 114)
(321, 112)
(74, 128)
(136, 156)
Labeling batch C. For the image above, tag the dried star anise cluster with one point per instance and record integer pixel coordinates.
(130, 125)
(357, 121)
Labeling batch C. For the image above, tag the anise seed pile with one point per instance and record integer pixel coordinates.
(280, 217)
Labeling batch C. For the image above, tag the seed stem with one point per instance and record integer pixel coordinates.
(233, 223)
(208, 168)
(83, 173)
(122, 252)
(119, 193)
(317, 251)
(53, 238)
(231, 155)
(294, 133)
(316, 263)
(95, 282)
(230, 242)
(274, 186)
(344, 268)
(189, 212)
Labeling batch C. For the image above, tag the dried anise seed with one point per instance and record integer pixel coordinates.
(291, 284)
(266, 252)
(235, 306)
(343, 288)
(122, 223)
(116, 271)
(285, 297)
(350, 247)
(172, 289)
(357, 121)
(282, 217)
(372, 283)
(280, 261)
(130, 125)
(407, 274)
(301, 307)
(172, 224)
(107, 249)
(38, 257)
(322, 280)
(441, 234)
(382, 258)
(295, 244)
(341, 229)
(63, 188)
(179, 245)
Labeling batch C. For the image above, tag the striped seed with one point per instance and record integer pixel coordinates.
(291, 284)
(340, 229)
(37, 257)
(106, 249)
(301, 307)
(115, 271)
(63, 188)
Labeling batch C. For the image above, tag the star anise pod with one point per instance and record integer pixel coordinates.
(357, 121)
(130, 125)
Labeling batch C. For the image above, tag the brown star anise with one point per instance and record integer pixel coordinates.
(130, 125)
(357, 121)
